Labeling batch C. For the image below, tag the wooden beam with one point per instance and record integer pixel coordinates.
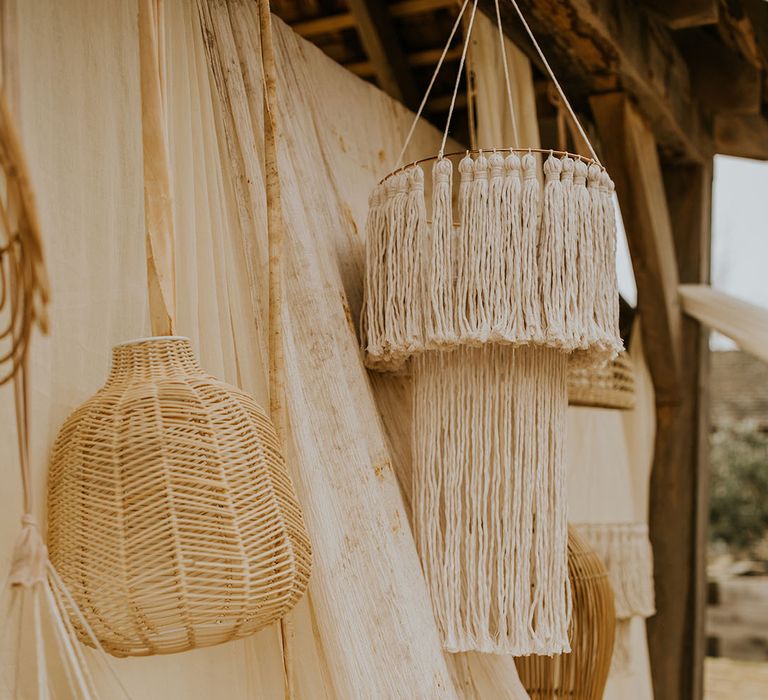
(745, 136)
(346, 20)
(654, 203)
(629, 152)
(722, 78)
(380, 41)
(680, 489)
(598, 46)
(682, 14)
(429, 57)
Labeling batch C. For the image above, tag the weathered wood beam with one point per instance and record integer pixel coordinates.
(346, 20)
(598, 46)
(653, 206)
(682, 14)
(428, 57)
(381, 44)
(679, 492)
(628, 150)
(745, 136)
(722, 78)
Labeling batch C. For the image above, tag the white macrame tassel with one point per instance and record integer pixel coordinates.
(498, 223)
(374, 292)
(585, 268)
(413, 240)
(597, 315)
(489, 508)
(571, 254)
(512, 242)
(394, 313)
(611, 279)
(551, 254)
(531, 298)
(464, 257)
(439, 296)
(478, 303)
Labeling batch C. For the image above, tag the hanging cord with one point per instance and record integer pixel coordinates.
(507, 81)
(555, 81)
(470, 79)
(458, 80)
(456, 26)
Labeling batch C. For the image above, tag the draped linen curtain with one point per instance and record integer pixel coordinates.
(365, 629)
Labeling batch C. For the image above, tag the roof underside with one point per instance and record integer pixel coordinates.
(695, 68)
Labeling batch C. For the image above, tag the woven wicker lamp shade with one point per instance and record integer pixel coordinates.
(582, 674)
(611, 385)
(172, 518)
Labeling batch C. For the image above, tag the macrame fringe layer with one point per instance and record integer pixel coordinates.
(489, 506)
(524, 264)
(627, 554)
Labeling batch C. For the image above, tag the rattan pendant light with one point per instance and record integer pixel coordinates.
(490, 304)
(583, 673)
(608, 386)
(172, 516)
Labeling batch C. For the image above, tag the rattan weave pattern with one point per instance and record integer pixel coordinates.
(582, 674)
(172, 517)
(609, 386)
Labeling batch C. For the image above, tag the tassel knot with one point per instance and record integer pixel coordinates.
(30, 555)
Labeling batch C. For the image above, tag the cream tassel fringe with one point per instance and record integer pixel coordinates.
(525, 265)
(528, 251)
(440, 322)
(489, 511)
(626, 552)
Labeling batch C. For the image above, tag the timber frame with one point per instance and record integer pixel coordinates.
(662, 85)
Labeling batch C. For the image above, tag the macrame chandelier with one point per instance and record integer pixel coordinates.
(583, 673)
(491, 304)
(626, 552)
(172, 516)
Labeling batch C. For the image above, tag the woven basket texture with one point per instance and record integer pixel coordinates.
(582, 674)
(172, 516)
(609, 386)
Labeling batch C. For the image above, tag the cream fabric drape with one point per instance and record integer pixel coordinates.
(494, 123)
(365, 629)
(746, 324)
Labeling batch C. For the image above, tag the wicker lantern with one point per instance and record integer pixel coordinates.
(582, 674)
(607, 386)
(490, 305)
(172, 518)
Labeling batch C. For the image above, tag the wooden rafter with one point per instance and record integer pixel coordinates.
(381, 44)
(682, 14)
(428, 57)
(346, 20)
(629, 153)
(599, 46)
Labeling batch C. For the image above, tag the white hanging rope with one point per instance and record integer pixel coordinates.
(555, 81)
(431, 84)
(458, 80)
(503, 49)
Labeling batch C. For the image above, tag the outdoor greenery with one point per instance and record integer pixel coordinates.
(739, 489)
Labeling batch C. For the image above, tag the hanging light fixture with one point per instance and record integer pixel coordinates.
(490, 304)
(172, 516)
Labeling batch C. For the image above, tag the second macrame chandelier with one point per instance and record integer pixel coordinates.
(492, 303)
